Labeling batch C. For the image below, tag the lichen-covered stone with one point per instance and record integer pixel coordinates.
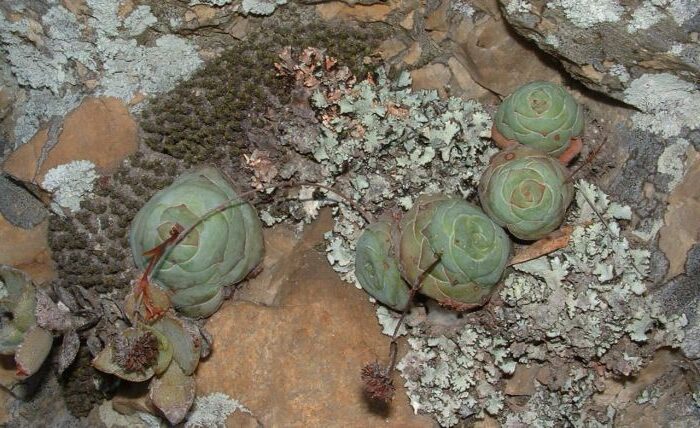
(606, 44)
(580, 307)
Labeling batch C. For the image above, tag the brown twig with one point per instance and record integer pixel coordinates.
(229, 204)
(393, 346)
(377, 382)
(592, 155)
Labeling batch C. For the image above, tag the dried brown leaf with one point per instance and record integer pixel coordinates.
(68, 351)
(552, 242)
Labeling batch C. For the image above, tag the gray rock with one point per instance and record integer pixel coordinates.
(607, 45)
(19, 206)
(682, 295)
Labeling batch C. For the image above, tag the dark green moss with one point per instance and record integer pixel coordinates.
(105, 219)
(203, 119)
(78, 385)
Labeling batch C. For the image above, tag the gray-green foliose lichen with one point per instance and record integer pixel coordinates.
(52, 57)
(581, 306)
(381, 144)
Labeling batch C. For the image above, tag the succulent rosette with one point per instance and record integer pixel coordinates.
(525, 191)
(20, 335)
(473, 250)
(221, 250)
(17, 305)
(542, 115)
(377, 269)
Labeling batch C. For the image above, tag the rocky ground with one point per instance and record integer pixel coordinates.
(191, 83)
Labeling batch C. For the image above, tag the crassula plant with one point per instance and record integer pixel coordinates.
(20, 336)
(222, 248)
(472, 250)
(377, 269)
(526, 191)
(542, 115)
(444, 244)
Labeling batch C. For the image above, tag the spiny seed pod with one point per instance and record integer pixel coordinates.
(220, 251)
(377, 269)
(540, 115)
(525, 191)
(473, 251)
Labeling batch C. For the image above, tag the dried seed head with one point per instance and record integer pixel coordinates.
(136, 354)
(378, 385)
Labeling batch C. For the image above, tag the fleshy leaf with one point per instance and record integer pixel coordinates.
(173, 393)
(33, 351)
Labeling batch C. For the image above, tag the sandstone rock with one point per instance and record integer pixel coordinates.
(359, 12)
(27, 250)
(413, 54)
(666, 386)
(299, 364)
(18, 206)
(523, 380)
(390, 48)
(470, 89)
(407, 22)
(279, 263)
(495, 58)
(100, 130)
(682, 228)
(432, 76)
(606, 45)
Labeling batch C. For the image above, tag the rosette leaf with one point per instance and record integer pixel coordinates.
(525, 191)
(17, 306)
(221, 250)
(542, 115)
(473, 251)
(377, 269)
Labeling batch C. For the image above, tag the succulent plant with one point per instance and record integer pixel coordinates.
(220, 251)
(525, 191)
(19, 333)
(377, 269)
(473, 250)
(540, 115)
(165, 353)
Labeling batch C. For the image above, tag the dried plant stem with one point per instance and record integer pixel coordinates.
(178, 233)
(393, 345)
(592, 155)
(232, 203)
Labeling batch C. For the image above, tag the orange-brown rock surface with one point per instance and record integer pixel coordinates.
(299, 364)
(100, 130)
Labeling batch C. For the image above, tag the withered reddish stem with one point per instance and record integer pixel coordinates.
(178, 233)
(155, 254)
(394, 345)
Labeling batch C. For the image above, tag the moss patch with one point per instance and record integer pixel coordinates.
(209, 116)
(91, 248)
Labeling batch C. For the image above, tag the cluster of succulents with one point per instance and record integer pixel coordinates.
(221, 243)
(448, 245)
(451, 250)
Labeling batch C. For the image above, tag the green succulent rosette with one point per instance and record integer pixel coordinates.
(473, 250)
(220, 251)
(377, 269)
(17, 304)
(525, 191)
(542, 115)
